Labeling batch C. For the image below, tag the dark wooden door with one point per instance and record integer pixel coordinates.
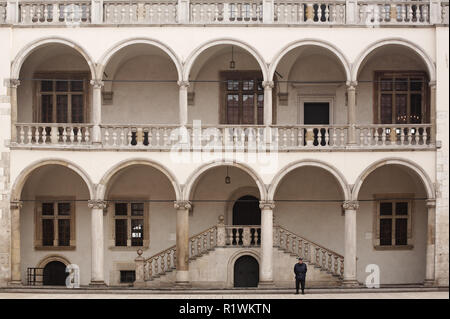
(55, 274)
(246, 272)
(246, 211)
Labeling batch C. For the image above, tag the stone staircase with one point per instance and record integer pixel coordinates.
(213, 251)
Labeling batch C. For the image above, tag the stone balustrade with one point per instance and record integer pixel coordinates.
(241, 236)
(233, 138)
(292, 12)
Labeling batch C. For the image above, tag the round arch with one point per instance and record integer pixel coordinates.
(194, 177)
(44, 261)
(103, 62)
(25, 52)
(102, 185)
(199, 50)
(426, 181)
(233, 258)
(394, 41)
(345, 188)
(323, 44)
(20, 181)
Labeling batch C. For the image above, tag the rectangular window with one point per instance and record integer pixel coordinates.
(62, 97)
(121, 232)
(401, 98)
(55, 228)
(127, 276)
(129, 224)
(394, 218)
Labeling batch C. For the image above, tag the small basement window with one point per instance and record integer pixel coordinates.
(127, 276)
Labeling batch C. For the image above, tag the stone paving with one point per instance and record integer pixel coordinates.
(367, 295)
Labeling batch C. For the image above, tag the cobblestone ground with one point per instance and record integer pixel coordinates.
(373, 295)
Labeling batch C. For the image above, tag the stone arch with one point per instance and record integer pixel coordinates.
(25, 52)
(20, 181)
(199, 50)
(238, 193)
(103, 62)
(232, 260)
(102, 186)
(311, 42)
(394, 41)
(47, 259)
(345, 188)
(195, 176)
(426, 181)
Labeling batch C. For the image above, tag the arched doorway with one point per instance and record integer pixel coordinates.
(246, 211)
(55, 274)
(246, 272)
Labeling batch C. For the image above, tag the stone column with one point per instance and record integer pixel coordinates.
(435, 12)
(97, 238)
(350, 208)
(183, 102)
(351, 112)
(96, 110)
(266, 267)
(12, 85)
(16, 278)
(268, 85)
(433, 111)
(431, 237)
(182, 252)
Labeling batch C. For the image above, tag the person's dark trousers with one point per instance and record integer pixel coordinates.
(300, 283)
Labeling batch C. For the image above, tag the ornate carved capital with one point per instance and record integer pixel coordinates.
(16, 204)
(268, 84)
(97, 84)
(182, 204)
(430, 203)
(268, 204)
(350, 205)
(12, 83)
(183, 84)
(351, 85)
(97, 204)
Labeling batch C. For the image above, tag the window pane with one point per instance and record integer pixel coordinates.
(121, 209)
(416, 84)
(62, 86)
(232, 85)
(248, 109)
(137, 232)
(137, 209)
(46, 86)
(385, 232)
(386, 84)
(260, 109)
(61, 109)
(47, 209)
(64, 232)
(386, 109)
(401, 208)
(401, 237)
(248, 85)
(46, 108)
(47, 232)
(401, 106)
(233, 109)
(77, 109)
(64, 209)
(76, 86)
(385, 209)
(416, 108)
(401, 84)
(121, 232)
(127, 276)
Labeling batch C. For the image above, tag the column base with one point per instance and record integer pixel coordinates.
(266, 284)
(429, 283)
(97, 284)
(351, 283)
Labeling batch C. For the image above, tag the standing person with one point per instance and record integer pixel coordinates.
(300, 270)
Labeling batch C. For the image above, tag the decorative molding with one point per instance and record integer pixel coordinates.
(12, 83)
(17, 204)
(268, 85)
(97, 84)
(183, 204)
(430, 203)
(183, 84)
(97, 204)
(267, 204)
(350, 205)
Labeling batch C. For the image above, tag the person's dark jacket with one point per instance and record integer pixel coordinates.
(300, 271)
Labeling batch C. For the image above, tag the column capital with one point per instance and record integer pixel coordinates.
(97, 84)
(16, 204)
(97, 204)
(182, 204)
(432, 84)
(12, 83)
(268, 204)
(430, 203)
(350, 205)
(183, 84)
(268, 85)
(351, 85)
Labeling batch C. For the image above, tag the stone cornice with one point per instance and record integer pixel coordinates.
(182, 204)
(97, 204)
(350, 205)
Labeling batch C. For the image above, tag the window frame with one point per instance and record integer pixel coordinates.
(425, 106)
(37, 101)
(128, 217)
(393, 198)
(38, 238)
